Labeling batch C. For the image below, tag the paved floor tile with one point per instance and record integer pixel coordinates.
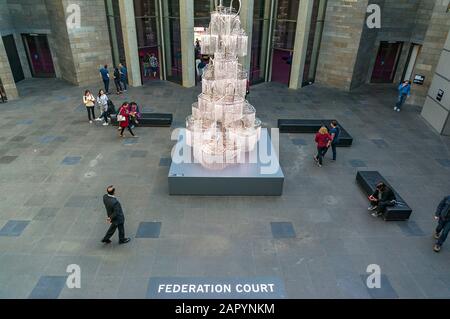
(71, 160)
(48, 287)
(14, 228)
(282, 230)
(148, 230)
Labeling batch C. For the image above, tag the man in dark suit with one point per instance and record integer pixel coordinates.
(381, 199)
(115, 216)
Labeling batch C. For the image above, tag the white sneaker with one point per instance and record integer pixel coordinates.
(372, 207)
(395, 108)
(98, 119)
(90, 122)
(105, 124)
(398, 110)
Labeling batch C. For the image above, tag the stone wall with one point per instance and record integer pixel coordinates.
(433, 44)
(366, 51)
(436, 112)
(61, 44)
(340, 42)
(90, 44)
(6, 74)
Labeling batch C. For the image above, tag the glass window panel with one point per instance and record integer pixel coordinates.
(284, 35)
(202, 8)
(258, 9)
(145, 8)
(287, 9)
(174, 7)
(146, 30)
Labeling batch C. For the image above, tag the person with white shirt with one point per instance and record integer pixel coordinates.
(102, 102)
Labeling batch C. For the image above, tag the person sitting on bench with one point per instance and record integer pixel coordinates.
(382, 197)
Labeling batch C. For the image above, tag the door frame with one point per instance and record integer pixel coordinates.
(17, 57)
(408, 65)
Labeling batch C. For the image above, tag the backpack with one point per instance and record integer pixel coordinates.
(111, 107)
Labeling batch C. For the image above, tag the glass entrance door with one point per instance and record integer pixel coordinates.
(283, 39)
(386, 62)
(39, 55)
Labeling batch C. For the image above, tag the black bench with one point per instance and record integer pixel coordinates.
(368, 181)
(151, 119)
(312, 126)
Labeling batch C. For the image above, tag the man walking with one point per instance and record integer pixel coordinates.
(105, 77)
(123, 76)
(443, 228)
(115, 217)
(335, 131)
(404, 90)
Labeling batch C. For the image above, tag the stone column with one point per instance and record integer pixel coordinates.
(6, 74)
(436, 112)
(344, 23)
(246, 16)
(112, 23)
(301, 43)
(187, 42)
(127, 18)
(166, 43)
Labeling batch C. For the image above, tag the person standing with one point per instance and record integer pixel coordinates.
(153, 65)
(146, 63)
(89, 102)
(335, 131)
(323, 140)
(123, 76)
(404, 90)
(117, 80)
(442, 215)
(382, 198)
(124, 120)
(115, 217)
(135, 114)
(105, 77)
(102, 102)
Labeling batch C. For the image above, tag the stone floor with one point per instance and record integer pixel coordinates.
(54, 167)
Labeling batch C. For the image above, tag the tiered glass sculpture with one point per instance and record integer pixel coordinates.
(223, 126)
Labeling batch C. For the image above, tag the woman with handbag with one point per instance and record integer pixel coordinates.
(123, 119)
(89, 102)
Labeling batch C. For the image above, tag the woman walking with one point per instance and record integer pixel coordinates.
(323, 140)
(124, 119)
(102, 102)
(89, 102)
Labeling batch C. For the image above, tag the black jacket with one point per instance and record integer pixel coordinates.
(113, 209)
(443, 209)
(386, 196)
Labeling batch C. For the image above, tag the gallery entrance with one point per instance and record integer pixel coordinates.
(13, 58)
(283, 39)
(386, 62)
(39, 55)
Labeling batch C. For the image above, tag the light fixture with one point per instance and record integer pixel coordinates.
(223, 126)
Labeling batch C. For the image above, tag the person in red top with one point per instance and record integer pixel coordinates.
(124, 119)
(323, 140)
